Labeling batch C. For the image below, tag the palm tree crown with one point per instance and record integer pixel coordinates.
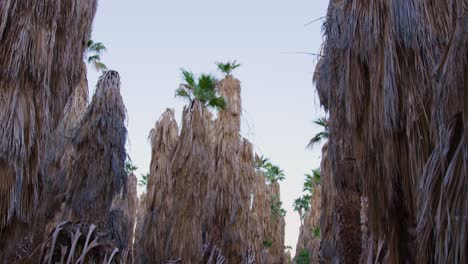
(319, 137)
(227, 67)
(202, 89)
(93, 55)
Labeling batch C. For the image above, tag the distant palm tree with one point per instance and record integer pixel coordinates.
(143, 182)
(302, 205)
(93, 55)
(129, 167)
(277, 206)
(311, 181)
(261, 162)
(202, 89)
(323, 135)
(274, 173)
(228, 67)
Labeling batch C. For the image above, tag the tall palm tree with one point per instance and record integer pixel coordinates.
(93, 53)
(202, 89)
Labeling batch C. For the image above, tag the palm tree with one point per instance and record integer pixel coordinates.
(144, 180)
(129, 166)
(261, 162)
(274, 173)
(227, 67)
(311, 181)
(93, 55)
(302, 205)
(323, 135)
(277, 206)
(202, 89)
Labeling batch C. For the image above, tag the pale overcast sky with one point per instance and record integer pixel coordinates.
(148, 42)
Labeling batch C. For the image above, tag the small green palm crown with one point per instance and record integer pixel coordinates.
(93, 55)
(322, 135)
(202, 89)
(228, 67)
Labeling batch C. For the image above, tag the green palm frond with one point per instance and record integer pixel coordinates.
(99, 66)
(143, 180)
(202, 89)
(322, 135)
(322, 121)
(182, 92)
(316, 231)
(97, 47)
(311, 181)
(228, 67)
(317, 176)
(218, 103)
(94, 58)
(302, 205)
(276, 206)
(129, 167)
(93, 55)
(188, 78)
(261, 162)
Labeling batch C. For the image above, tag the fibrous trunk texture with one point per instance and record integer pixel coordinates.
(192, 165)
(154, 220)
(205, 203)
(308, 240)
(227, 203)
(397, 130)
(41, 46)
(276, 229)
(98, 187)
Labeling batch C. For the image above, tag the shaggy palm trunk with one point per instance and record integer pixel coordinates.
(443, 208)
(228, 194)
(276, 229)
(375, 79)
(308, 240)
(192, 166)
(155, 218)
(41, 46)
(259, 219)
(97, 188)
(59, 157)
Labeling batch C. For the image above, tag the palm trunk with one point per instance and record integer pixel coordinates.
(41, 49)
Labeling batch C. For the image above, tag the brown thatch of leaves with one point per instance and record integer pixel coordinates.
(443, 208)
(155, 219)
(259, 218)
(307, 239)
(97, 176)
(41, 46)
(192, 166)
(228, 192)
(375, 80)
(276, 231)
(60, 153)
(122, 218)
(327, 207)
(75, 243)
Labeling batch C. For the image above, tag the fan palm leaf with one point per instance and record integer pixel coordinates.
(228, 67)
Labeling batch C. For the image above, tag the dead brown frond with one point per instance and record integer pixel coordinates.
(155, 219)
(228, 191)
(98, 189)
(192, 166)
(41, 46)
(443, 208)
(76, 243)
(375, 78)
